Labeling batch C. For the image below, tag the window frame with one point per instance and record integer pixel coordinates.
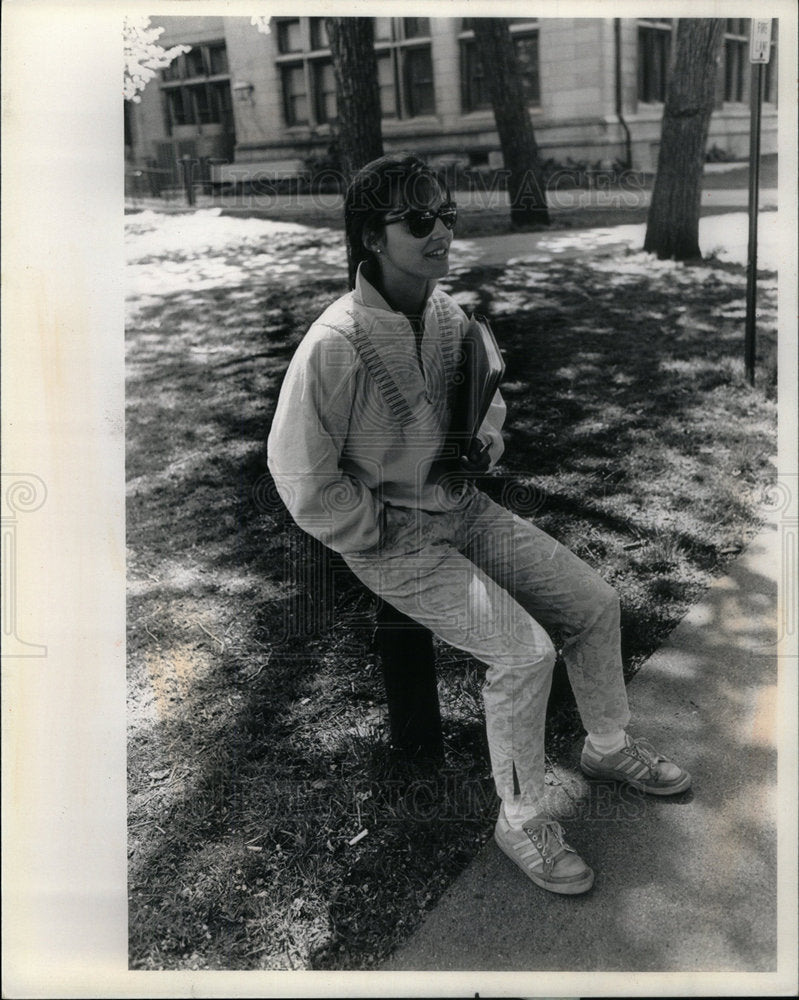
(317, 35)
(178, 85)
(655, 28)
(405, 101)
(396, 48)
(734, 63)
(281, 25)
(311, 58)
(771, 71)
(317, 68)
(520, 29)
(292, 66)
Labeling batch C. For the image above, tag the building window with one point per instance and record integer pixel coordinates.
(419, 94)
(196, 88)
(289, 35)
(195, 63)
(733, 83)
(306, 71)
(324, 90)
(474, 88)
(416, 27)
(217, 60)
(404, 69)
(526, 46)
(404, 66)
(654, 53)
(385, 81)
(319, 39)
(735, 58)
(383, 29)
(200, 60)
(295, 94)
(199, 104)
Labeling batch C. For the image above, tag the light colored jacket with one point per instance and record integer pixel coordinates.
(342, 446)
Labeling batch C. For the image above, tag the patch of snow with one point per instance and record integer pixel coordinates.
(727, 237)
(511, 302)
(725, 168)
(724, 235)
(168, 254)
(466, 300)
(189, 252)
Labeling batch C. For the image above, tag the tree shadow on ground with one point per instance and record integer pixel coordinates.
(262, 687)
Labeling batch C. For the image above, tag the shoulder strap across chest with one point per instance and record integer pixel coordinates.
(377, 370)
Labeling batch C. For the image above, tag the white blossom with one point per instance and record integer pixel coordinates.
(143, 55)
(262, 24)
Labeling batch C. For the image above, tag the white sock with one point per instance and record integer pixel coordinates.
(606, 742)
(519, 810)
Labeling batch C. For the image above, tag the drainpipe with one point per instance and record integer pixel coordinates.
(628, 155)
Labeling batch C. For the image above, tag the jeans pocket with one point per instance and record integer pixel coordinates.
(392, 520)
(397, 523)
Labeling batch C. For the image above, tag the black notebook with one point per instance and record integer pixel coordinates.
(479, 374)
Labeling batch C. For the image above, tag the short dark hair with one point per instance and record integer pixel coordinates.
(398, 181)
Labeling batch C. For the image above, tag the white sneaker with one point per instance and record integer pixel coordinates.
(638, 764)
(544, 856)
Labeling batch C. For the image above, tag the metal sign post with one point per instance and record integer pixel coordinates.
(187, 170)
(759, 52)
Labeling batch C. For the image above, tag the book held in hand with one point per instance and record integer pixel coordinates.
(479, 375)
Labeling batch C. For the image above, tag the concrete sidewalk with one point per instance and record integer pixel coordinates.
(726, 235)
(687, 884)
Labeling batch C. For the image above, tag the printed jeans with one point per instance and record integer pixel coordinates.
(491, 583)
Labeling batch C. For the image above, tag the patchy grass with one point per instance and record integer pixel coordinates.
(258, 743)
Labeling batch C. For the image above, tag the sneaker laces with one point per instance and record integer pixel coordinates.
(644, 751)
(550, 834)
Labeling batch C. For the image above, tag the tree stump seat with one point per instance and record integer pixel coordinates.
(407, 659)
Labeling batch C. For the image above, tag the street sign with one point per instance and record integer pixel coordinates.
(760, 40)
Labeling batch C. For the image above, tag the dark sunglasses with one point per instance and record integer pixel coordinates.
(421, 221)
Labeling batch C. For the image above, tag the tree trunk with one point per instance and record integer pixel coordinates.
(352, 46)
(519, 149)
(672, 229)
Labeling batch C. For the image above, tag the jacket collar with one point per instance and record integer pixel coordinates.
(366, 294)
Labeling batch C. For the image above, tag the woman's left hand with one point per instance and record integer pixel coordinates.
(477, 459)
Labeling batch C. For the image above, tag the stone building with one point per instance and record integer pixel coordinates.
(249, 105)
